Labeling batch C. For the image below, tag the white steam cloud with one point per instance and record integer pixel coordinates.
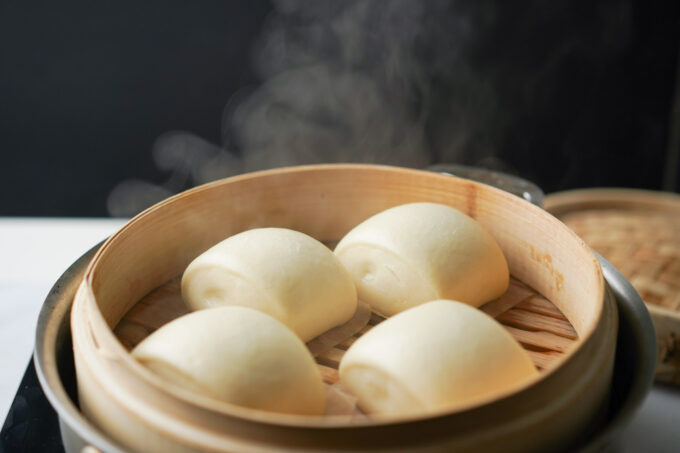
(399, 82)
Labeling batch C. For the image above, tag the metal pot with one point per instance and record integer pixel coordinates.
(633, 372)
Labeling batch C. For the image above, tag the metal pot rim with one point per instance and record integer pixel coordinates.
(52, 330)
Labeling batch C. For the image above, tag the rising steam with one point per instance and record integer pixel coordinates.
(399, 82)
(342, 83)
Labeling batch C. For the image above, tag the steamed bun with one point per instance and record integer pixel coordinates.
(438, 356)
(418, 252)
(284, 273)
(238, 355)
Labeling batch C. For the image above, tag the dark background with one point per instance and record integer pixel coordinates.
(87, 87)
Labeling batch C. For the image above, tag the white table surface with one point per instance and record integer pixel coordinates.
(35, 251)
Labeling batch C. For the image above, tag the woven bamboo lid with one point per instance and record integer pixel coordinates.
(639, 233)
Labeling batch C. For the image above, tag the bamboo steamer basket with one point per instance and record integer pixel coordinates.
(638, 231)
(556, 411)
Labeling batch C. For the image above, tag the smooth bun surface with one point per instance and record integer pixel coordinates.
(438, 356)
(418, 252)
(238, 355)
(284, 273)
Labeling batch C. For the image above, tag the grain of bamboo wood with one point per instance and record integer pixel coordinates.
(566, 293)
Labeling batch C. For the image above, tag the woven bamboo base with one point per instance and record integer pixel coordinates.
(533, 320)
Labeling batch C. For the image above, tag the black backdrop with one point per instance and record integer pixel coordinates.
(86, 87)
